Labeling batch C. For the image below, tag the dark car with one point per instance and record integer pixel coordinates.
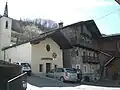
(26, 68)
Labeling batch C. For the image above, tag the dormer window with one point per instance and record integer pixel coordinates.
(6, 25)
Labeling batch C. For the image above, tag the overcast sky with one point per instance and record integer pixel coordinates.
(68, 11)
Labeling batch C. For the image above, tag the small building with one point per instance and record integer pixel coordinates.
(111, 45)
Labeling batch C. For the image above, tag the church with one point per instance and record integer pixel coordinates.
(42, 52)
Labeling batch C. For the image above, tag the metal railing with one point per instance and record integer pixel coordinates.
(19, 82)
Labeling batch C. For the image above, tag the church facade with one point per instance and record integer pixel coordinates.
(43, 56)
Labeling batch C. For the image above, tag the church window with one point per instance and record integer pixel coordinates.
(6, 25)
(48, 47)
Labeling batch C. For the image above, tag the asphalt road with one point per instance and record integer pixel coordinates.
(49, 82)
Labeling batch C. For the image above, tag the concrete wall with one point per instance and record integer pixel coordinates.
(5, 34)
(21, 53)
(39, 51)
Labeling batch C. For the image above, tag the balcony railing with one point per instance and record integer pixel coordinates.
(90, 59)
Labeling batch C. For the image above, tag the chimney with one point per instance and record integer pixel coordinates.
(60, 24)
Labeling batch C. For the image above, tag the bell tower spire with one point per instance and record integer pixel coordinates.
(6, 10)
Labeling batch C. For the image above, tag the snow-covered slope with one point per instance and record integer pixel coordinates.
(81, 87)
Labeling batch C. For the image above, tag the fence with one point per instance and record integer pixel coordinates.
(17, 83)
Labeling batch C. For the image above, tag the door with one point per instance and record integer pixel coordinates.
(48, 67)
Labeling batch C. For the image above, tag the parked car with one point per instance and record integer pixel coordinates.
(25, 67)
(63, 74)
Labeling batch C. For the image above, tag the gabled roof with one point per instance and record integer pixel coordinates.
(91, 26)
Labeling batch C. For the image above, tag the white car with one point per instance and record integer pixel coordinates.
(25, 67)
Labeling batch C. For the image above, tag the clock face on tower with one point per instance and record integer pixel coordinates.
(118, 46)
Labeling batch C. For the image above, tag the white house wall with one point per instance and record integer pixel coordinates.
(5, 34)
(21, 53)
(39, 51)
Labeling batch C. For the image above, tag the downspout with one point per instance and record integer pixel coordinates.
(4, 55)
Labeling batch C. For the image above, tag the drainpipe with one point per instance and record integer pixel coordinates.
(4, 55)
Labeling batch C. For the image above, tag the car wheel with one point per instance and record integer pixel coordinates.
(62, 79)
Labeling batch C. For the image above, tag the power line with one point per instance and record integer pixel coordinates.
(102, 17)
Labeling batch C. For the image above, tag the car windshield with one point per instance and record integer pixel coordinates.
(70, 70)
(24, 65)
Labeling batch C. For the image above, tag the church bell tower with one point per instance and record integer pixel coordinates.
(5, 31)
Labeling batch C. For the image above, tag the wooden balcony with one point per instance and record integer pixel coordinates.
(90, 59)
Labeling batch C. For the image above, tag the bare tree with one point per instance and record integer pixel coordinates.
(33, 28)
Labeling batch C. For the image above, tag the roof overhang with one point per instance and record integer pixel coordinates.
(56, 35)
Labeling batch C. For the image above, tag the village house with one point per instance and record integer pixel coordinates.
(111, 45)
(84, 52)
